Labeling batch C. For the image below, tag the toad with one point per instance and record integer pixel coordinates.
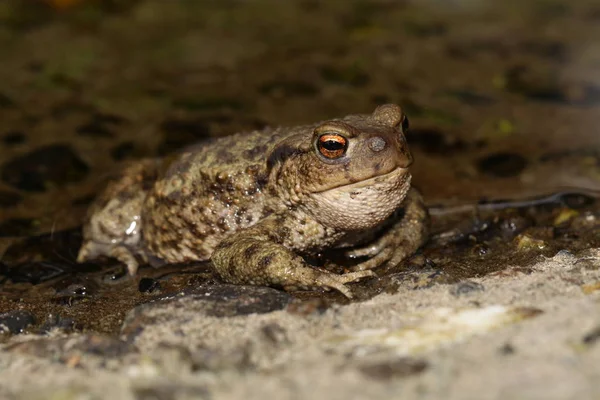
(259, 205)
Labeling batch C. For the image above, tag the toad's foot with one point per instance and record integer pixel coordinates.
(91, 250)
(247, 260)
(334, 281)
(401, 240)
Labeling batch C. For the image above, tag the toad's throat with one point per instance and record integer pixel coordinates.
(397, 177)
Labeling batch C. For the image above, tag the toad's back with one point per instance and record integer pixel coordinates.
(187, 203)
(209, 191)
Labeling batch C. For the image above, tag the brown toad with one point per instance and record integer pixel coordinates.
(258, 204)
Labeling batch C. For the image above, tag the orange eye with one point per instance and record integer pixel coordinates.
(332, 145)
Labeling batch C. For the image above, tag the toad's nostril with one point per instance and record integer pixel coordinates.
(376, 144)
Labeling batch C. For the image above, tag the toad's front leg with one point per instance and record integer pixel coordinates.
(252, 257)
(401, 240)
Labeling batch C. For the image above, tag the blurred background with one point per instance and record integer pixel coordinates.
(503, 97)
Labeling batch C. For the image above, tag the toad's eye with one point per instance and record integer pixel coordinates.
(332, 145)
(405, 124)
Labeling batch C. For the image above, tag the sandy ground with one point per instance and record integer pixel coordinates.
(512, 336)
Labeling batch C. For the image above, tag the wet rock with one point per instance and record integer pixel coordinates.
(74, 290)
(502, 165)
(230, 300)
(9, 199)
(565, 254)
(15, 322)
(392, 369)
(210, 300)
(57, 322)
(77, 289)
(53, 165)
(466, 287)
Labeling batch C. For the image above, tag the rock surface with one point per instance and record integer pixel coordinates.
(526, 335)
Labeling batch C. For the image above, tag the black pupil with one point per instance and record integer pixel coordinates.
(332, 145)
(405, 124)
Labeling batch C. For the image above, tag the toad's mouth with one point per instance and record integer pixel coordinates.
(396, 178)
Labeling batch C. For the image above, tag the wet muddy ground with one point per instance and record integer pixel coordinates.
(503, 100)
(42, 280)
(498, 111)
